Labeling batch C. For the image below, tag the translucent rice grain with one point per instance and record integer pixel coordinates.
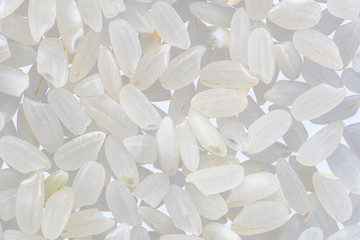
(217, 179)
(110, 8)
(347, 39)
(86, 222)
(109, 114)
(356, 213)
(126, 45)
(90, 86)
(69, 23)
(261, 53)
(13, 178)
(16, 27)
(166, 19)
(122, 232)
(38, 87)
(260, 217)
(13, 81)
(352, 137)
(206, 134)
(261, 88)
(54, 182)
(18, 235)
(216, 231)
(348, 9)
(44, 124)
(8, 204)
(139, 16)
(318, 48)
(313, 233)
(142, 147)
(227, 74)
(42, 15)
(316, 74)
(253, 188)
(156, 93)
(2, 121)
(9, 6)
(9, 129)
(23, 128)
(339, 163)
(356, 62)
(351, 232)
(328, 23)
(233, 132)
(288, 59)
(122, 203)
(121, 161)
(183, 69)
(345, 110)
(197, 30)
(52, 62)
(182, 210)
(303, 172)
(267, 130)
(271, 154)
(151, 66)
(251, 167)
(294, 15)
(139, 233)
(4, 49)
(321, 145)
(138, 108)
(85, 56)
(168, 154)
(212, 206)
(85, 148)
(212, 14)
(180, 103)
(293, 228)
(69, 111)
(251, 113)
(152, 189)
(29, 203)
(258, 9)
(217, 103)
(88, 184)
(187, 145)
(22, 156)
(239, 35)
(316, 102)
(285, 92)
(90, 12)
(21, 55)
(296, 136)
(292, 187)
(317, 217)
(57, 212)
(158, 221)
(109, 72)
(333, 196)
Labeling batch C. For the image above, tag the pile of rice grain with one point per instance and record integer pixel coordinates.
(179, 119)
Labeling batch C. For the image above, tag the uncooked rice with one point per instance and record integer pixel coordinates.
(179, 119)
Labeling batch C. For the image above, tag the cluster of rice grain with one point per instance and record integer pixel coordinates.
(179, 119)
